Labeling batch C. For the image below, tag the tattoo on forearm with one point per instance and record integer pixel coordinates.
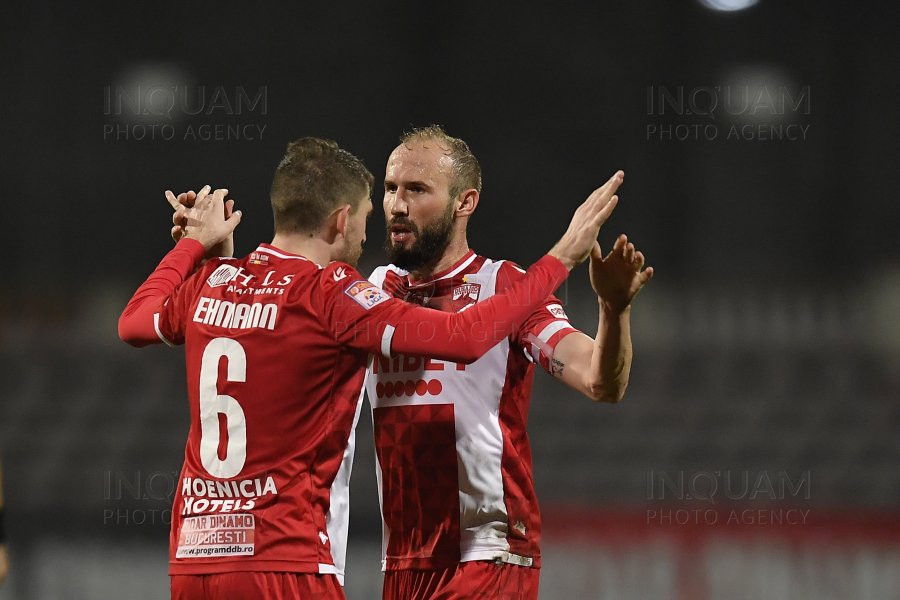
(556, 367)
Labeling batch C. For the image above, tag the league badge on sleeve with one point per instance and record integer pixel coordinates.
(367, 294)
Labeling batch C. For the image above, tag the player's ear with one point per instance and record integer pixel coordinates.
(340, 220)
(466, 203)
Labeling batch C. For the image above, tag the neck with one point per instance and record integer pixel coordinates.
(312, 247)
(458, 248)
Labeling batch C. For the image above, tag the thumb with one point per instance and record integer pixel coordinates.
(233, 221)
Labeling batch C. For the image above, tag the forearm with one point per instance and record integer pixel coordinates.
(611, 358)
(465, 337)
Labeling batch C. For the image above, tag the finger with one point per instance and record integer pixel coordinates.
(619, 246)
(596, 252)
(179, 217)
(218, 198)
(638, 261)
(602, 194)
(187, 199)
(173, 201)
(177, 233)
(615, 180)
(629, 253)
(604, 213)
(229, 208)
(204, 192)
(647, 275)
(233, 221)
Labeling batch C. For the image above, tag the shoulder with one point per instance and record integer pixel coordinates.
(340, 280)
(216, 272)
(378, 275)
(506, 273)
(338, 274)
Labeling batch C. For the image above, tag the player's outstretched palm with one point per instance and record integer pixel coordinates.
(575, 245)
(618, 278)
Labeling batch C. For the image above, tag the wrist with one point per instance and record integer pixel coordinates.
(611, 309)
(567, 261)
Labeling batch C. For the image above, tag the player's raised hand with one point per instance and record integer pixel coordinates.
(618, 278)
(179, 204)
(575, 246)
(206, 221)
(186, 200)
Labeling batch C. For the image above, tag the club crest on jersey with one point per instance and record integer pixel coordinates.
(221, 276)
(557, 311)
(465, 295)
(367, 294)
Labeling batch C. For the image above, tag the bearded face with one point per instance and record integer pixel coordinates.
(429, 241)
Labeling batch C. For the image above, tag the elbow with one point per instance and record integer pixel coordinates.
(473, 352)
(468, 358)
(610, 394)
(126, 334)
(123, 332)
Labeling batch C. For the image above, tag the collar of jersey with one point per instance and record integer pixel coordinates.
(447, 273)
(279, 253)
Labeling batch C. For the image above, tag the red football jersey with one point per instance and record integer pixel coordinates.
(460, 428)
(276, 349)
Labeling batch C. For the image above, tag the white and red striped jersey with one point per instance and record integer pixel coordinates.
(453, 456)
(276, 350)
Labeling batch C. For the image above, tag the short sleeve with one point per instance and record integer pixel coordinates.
(544, 328)
(357, 312)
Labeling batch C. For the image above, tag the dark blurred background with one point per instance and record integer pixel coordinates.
(757, 145)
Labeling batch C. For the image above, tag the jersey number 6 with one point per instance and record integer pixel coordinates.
(212, 404)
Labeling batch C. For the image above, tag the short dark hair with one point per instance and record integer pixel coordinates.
(466, 170)
(313, 179)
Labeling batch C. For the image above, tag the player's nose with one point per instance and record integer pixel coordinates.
(398, 206)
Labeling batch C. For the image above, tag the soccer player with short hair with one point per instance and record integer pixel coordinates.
(276, 346)
(461, 518)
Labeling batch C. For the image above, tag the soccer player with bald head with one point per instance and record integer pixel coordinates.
(461, 519)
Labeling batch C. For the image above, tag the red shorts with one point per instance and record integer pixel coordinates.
(254, 585)
(473, 579)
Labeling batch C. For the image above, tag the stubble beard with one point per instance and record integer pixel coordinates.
(350, 253)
